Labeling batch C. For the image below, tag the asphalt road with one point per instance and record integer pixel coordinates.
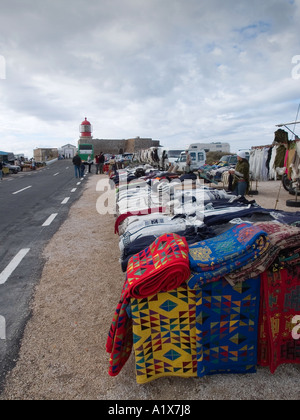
(33, 205)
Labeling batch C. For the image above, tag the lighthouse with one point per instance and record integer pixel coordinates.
(85, 130)
(85, 143)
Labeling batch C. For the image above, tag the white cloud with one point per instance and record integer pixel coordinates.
(173, 70)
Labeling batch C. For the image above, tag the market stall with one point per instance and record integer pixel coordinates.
(200, 268)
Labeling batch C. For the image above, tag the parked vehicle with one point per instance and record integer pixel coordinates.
(198, 157)
(13, 169)
(228, 160)
(174, 155)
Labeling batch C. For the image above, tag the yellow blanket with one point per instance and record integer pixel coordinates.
(164, 335)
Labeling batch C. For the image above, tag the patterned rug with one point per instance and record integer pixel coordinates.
(191, 333)
(216, 257)
(280, 303)
(163, 266)
(227, 327)
(282, 237)
(164, 335)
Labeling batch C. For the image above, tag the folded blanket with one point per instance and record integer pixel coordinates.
(163, 266)
(281, 237)
(227, 327)
(216, 257)
(164, 335)
(280, 304)
(187, 332)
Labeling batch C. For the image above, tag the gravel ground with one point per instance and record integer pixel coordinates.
(63, 356)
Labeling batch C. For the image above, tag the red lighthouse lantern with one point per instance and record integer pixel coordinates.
(85, 129)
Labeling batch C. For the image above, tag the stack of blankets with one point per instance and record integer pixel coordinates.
(224, 303)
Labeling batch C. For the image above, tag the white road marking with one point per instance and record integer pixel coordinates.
(78, 183)
(65, 200)
(74, 189)
(2, 328)
(23, 189)
(6, 273)
(50, 219)
(57, 173)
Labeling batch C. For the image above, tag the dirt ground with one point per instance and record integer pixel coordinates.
(63, 355)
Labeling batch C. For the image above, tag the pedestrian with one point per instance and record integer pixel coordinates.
(101, 162)
(112, 166)
(90, 162)
(188, 162)
(77, 165)
(82, 169)
(241, 177)
(1, 172)
(97, 164)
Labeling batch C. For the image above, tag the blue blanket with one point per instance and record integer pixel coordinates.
(227, 327)
(214, 258)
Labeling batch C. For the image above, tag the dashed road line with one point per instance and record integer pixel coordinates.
(65, 200)
(57, 173)
(2, 328)
(73, 190)
(6, 273)
(49, 220)
(23, 189)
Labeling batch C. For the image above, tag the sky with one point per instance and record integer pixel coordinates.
(178, 71)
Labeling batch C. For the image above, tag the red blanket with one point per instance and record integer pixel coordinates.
(280, 304)
(163, 266)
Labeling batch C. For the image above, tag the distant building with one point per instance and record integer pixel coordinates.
(68, 151)
(116, 146)
(113, 146)
(43, 155)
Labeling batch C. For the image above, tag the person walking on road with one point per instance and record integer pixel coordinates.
(77, 165)
(101, 162)
(1, 172)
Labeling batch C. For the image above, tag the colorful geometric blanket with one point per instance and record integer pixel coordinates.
(281, 237)
(227, 327)
(164, 335)
(216, 257)
(190, 333)
(163, 266)
(279, 341)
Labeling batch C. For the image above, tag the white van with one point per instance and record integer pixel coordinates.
(198, 157)
(174, 155)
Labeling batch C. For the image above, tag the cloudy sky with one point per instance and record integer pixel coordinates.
(178, 71)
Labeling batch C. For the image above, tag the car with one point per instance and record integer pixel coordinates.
(13, 169)
(228, 160)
